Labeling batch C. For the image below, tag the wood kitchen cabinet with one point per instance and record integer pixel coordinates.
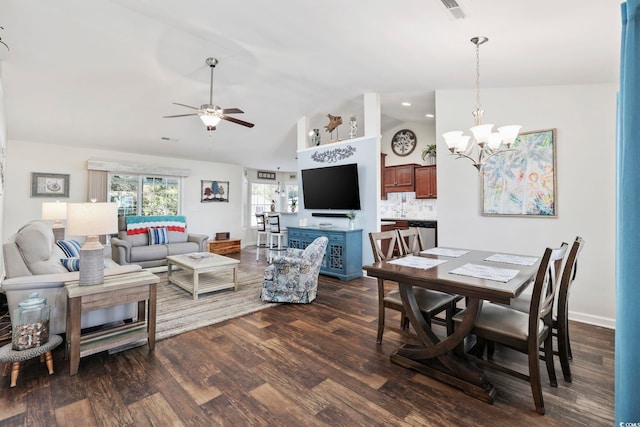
(399, 178)
(426, 182)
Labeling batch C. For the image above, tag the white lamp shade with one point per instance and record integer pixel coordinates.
(54, 210)
(494, 139)
(481, 132)
(462, 143)
(92, 219)
(509, 133)
(451, 138)
(209, 119)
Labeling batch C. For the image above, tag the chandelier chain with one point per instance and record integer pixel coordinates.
(478, 104)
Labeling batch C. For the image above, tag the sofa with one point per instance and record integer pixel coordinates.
(148, 240)
(293, 278)
(32, 262)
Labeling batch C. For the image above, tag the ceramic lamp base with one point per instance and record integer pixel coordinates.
(91, 262)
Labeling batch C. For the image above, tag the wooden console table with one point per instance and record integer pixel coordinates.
(140, 287)
(223, 247)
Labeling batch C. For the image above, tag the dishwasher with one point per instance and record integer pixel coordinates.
(428, 230)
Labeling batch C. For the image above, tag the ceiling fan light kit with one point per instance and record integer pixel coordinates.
(211, 114)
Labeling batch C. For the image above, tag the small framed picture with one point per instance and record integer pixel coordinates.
(266, 175)
(214, 191)
(49, 185)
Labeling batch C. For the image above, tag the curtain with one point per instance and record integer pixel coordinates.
(627, 346)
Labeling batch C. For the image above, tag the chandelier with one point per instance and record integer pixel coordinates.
(488, 143)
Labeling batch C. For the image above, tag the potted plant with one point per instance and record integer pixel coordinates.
(429, 154)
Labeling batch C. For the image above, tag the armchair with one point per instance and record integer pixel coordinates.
(294, 277)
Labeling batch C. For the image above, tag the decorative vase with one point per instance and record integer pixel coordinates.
(353, 127)
(352, 224)
(315, 137)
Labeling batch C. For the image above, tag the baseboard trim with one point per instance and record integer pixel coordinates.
(591, 319)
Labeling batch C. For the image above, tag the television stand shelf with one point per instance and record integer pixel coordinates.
(343, 256)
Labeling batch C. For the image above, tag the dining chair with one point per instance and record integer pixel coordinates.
(410, 240)
(262, 234)
(430, 302)
(277, 236)
(561, 316)
(525, 332)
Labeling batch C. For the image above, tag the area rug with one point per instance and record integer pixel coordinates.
(177, 312)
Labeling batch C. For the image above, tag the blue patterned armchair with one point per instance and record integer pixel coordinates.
(294, 276)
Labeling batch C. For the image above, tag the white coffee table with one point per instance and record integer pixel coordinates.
(196, 272)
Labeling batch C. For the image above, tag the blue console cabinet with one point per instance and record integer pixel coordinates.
(343, 258)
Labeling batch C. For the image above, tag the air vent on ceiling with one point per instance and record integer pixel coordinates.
(454, 8)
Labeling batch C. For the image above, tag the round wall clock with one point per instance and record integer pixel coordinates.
(404, 142)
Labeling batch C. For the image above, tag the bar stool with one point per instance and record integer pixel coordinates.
(262, 236)
(277, 237)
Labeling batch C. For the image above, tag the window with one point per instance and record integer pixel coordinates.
(158, 195)
(261, 196)
(292, 197)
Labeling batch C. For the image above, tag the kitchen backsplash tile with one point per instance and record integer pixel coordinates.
(405, 205)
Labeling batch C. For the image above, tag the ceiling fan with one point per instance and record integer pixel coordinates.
(212, 114)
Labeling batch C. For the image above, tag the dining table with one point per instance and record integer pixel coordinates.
(476, 275)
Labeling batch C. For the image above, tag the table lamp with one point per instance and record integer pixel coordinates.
(56, 211)
(92, 220)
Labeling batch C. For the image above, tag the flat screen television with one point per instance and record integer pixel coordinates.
(332, 187)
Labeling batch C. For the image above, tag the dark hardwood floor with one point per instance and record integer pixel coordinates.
(298, 365)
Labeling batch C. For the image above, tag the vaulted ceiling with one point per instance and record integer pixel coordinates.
(103, 73)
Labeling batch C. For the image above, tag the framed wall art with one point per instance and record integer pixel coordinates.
(522, 182)
(266, 175)
(214, 191)
(49, 185)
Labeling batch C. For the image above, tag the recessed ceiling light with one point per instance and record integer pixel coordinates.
(406, 104)
(429, 115)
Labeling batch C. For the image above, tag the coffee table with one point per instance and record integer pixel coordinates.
(196, 272)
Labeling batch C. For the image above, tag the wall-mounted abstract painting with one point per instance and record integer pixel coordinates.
(214, 191)
(522, 182)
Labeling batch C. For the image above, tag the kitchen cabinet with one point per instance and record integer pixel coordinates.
(426, 182)
(399, 178)
(383, 194)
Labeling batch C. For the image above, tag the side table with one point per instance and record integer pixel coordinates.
(138, 287)
(223, 247)
(12, 358)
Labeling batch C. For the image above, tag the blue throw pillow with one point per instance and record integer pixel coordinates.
(158, 236)
(71, 264)
(71, 248)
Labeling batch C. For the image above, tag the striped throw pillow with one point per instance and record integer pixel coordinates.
(71, 248)
(158, 236)
(71, 264)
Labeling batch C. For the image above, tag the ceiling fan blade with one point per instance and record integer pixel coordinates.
(232, 111)
(240, 122)
(180, 115)
(185, 105)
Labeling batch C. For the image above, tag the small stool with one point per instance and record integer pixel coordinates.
(12, 358)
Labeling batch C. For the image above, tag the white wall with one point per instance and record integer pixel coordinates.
(585, 119)
(367, 155)
(3, 147)
(425, 134)
(26, 157)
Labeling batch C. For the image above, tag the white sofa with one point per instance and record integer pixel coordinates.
(32, 264)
